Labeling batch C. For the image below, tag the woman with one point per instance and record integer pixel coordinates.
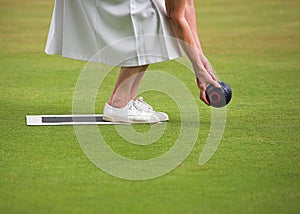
(136, 33)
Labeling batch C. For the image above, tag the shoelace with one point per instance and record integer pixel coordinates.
(140, 99)
(136, 107)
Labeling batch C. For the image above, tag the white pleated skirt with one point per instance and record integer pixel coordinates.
(114, 32)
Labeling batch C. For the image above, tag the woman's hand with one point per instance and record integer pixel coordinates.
(205, 77)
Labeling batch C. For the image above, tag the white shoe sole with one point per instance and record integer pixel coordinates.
(125, 120)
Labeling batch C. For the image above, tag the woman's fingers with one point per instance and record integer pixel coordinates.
(203, 97)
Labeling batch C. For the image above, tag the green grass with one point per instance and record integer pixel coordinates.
(253, 45)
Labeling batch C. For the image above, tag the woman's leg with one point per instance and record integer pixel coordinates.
(126, 86)
(137, 81)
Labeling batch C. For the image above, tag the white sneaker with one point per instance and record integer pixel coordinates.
(131, 113)
(162, 116)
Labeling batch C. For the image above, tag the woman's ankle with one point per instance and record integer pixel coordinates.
(118, 102)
